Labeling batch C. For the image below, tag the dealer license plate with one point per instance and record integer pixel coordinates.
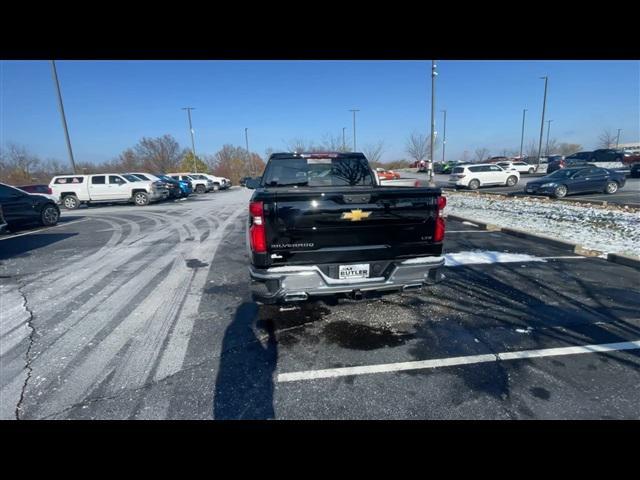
(353, 271)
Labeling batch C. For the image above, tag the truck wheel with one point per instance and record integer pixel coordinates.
(512, 180)
(216, 187)
(141, 199)
(560, 191)
(611, 188)
(200, 189)
(531, 170)
(70, 202)
(49, 215)
(474, 184)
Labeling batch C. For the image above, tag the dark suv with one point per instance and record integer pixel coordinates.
(607, 155)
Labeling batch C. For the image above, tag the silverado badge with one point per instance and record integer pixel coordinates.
(355, 215)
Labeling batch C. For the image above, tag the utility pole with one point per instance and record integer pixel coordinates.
(618, 138)
(524, 112)
(354, 127)
(64, 118)
(344, 144)
(548, 130)
(433, 118)
(246, 140)
(544, 106)
(193, 143)
(444, 134)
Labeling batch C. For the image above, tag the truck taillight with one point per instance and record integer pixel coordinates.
(257, 235)
(49, 191)
(438, 234)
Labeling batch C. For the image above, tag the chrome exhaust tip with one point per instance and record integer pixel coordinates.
(412, 287)
(296, 297)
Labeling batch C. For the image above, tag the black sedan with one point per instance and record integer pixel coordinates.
(635, 170)
(19, 207)
(568, 181)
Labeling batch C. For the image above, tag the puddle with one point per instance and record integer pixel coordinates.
(195, 263)
(357, 336)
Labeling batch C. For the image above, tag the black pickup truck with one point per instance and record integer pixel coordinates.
(320, 224)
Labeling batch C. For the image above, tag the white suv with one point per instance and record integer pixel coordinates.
(479, 175)
(201, 184)
(219, 183)
(520, 167)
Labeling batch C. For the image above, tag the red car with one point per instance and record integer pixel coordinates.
(386, 174)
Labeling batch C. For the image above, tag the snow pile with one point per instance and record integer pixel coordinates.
(485, 256)
(610, 230)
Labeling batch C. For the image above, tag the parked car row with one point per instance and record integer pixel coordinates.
(139, 188)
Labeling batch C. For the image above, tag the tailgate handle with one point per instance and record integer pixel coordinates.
(357, 198)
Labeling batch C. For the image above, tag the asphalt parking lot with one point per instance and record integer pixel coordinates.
(123, 312)
(627, 195)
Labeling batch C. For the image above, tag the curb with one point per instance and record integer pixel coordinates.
(621, 259)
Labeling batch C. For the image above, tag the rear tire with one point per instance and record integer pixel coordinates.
(70, 202)
(511, 181)
(49, 215)
(611, 188)
(140, 199)
(200, 189)
(474, 184)
(560, 191)
(531, 170)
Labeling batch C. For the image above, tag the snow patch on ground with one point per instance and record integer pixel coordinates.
(485, 256)
(605, 229)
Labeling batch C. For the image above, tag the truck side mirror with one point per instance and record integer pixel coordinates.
(252, 183)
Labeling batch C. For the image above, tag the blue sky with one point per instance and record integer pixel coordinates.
(110, 105)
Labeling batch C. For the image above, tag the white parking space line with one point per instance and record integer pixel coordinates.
(43, 229)
(453, 361)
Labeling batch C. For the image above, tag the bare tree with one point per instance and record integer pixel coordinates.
(333, 143)
(417, 146)
(162, 154)
(607, 139)
(532, 149)
(18, 158)
(374, 152)
(568, 148)
(482, 153)
(299, 144)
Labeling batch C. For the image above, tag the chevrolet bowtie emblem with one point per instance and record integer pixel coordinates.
(355, 215)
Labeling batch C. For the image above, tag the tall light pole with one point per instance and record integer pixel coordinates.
(344, 143)
(433, 118)
(524, 112)
(618, 138)
(64, 118)
(546, 150)
(444, 134)
(544, 106)
(246, 141)
(354, 127)
(193, 143)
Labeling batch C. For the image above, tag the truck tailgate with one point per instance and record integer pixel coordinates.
(351, 224)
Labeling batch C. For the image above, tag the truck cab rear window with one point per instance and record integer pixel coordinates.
(318, 172)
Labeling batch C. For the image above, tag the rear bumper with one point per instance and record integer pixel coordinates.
(297, 283)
